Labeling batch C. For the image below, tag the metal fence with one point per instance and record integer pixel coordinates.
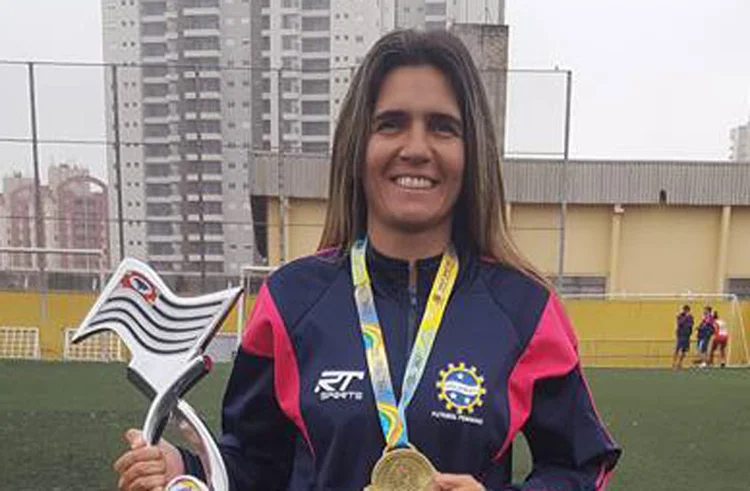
(170, 163)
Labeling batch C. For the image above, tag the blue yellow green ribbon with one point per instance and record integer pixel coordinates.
(392, 414)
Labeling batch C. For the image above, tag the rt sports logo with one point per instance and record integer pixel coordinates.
(335, 384)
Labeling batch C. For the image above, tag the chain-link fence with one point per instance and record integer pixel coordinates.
(198, 169)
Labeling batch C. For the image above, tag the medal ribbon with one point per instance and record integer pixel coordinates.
(392, 414)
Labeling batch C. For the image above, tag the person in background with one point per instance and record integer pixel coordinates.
(684, 330)
(720, 342)
(705, 331)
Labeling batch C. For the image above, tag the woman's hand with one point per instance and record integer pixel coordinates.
(455, 482)
(147, 468)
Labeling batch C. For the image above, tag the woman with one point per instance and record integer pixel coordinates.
(418, 326)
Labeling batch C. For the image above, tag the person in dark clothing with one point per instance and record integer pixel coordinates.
(684, 330)
(418, 329)
(705, 331)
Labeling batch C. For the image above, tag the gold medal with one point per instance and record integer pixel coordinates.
(401, 469)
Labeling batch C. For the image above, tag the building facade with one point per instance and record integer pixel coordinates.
(75, 208)
(655, 227)
(184, 118)
(740, 149)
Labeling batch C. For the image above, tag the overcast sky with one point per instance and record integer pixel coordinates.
(661, 79)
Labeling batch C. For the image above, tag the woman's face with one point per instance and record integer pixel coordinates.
(415, 155)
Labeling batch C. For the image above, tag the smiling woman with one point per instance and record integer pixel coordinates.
(413, 348)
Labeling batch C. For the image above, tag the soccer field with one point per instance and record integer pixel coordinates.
(61, 425)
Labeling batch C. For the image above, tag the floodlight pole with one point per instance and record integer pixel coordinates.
(564, 181)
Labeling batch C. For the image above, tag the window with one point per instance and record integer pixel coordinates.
(265, 22)
(158, 190)
(316, 4)
(289, 3)
(359, 39)
(434, 26)
(154, 150)
(289, 106)
(155, 90)
(154, 71)
(577, 285)
(288, 127)
(162, 248)
(315, 128)
(289, 21)
(158, 170)
(290, 62)
(266, 106)
(316, 23)
(153, 28)
(158, 209)
(315, 86)
(206, 188)
(159, 228)
(739, 287)
(289, 42)
(153, 8)
(315, 107)
(315, 147)
(434, 9)
(156, 130)
(316, 65)
(311, 45)
(291, 85)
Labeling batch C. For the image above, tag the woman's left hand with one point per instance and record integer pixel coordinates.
(455, 482)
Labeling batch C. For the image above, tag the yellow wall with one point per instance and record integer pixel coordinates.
(64, 310)
(632, 333)
(662, 249)
(535, 230)
(669, 249)
(587, 236)
(304, 225)
(738, 264)
(612, 333)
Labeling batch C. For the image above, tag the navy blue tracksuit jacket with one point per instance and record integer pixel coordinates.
(299, 412)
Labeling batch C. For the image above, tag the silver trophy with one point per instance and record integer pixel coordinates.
(167, 337)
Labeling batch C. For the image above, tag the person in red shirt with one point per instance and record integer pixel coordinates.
(720, 341)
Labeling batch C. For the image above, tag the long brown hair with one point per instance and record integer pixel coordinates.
(478, 215)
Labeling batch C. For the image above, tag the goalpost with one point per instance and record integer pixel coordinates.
(638, 330)
(25, 342)
(20, 343)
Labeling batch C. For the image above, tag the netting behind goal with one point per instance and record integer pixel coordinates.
(104, 346)
(19, 342)
(631, 330)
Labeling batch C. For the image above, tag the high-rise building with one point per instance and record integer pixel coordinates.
(218, 81)
(185, 118)
(740, 150)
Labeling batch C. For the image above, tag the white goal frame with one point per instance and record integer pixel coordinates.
(35, 348)
(104, 347)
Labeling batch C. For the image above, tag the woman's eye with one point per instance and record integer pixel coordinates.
(387, 125)
(445, 127)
